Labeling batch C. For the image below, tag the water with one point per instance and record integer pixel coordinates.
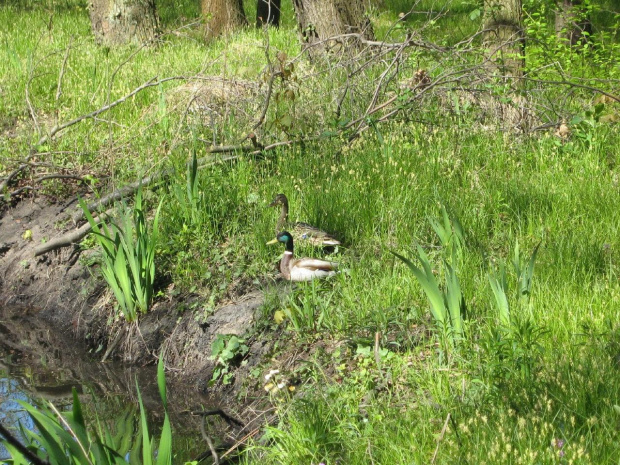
(38, 364)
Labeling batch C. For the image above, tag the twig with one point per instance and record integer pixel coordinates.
(240, 442)
(443, 431)
(113, 346)
(272, 78)
(232, 421)
(33, 113)
(379, 85)
(44, 178)
(31, 456)
(118, 194)
(203, 432)
(62, 73)
(574, 84)
(377, 350)
(5, 182)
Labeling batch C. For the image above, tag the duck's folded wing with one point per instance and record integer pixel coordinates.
(315, 264)
(307, 231)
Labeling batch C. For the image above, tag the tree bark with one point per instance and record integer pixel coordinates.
(571, 24)
(504, 37)
(116, 22)
(268, 12)
(222, 16)
(319, 20)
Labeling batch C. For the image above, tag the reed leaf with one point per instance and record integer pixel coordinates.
(499, 287)
(429, 284)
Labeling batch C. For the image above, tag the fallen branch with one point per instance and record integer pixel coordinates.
(272, 78)
(61, 127)
(232, 421)
(120, 193)
(203, 432)
(240, 442)
(45, 178)
(70, 238)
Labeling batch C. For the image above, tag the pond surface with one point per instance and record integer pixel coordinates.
(37, 365)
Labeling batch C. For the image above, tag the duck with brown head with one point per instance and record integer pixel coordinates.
(301, 269)
(301, 231)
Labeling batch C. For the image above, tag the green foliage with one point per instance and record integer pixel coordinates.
(128, 256)
(450, 233)
(544, 46)
(512, 360)
(448, 304)
(227, 351)
(308, 307)
(523, 273)
(189, 197)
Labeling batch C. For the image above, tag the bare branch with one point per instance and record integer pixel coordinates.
(150, 83)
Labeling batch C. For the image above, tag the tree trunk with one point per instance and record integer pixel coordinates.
(319, 20)
(504, 38)
(571, 24)
(268, 12)
(116, 22)
(222, 16)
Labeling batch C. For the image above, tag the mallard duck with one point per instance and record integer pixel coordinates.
(301, 231)
(301, 269)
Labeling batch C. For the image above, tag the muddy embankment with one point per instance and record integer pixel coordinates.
(58, 292)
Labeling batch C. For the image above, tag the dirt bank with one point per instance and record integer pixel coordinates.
(59, 289)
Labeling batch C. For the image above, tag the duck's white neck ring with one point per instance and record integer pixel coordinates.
(288, 252)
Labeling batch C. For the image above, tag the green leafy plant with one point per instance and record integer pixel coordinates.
(513, 356)
(450, 233)
(190, 199)
(524, 273)
(447, 305)
(65, 438)
(128, 259)
(308, 307)
(225, 350)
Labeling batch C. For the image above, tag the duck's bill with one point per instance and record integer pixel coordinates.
(272, 241)
(273, 204)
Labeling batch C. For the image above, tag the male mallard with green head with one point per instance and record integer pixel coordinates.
(301, 231)
(301, 269)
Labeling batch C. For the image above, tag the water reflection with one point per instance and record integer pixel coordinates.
(38, 364)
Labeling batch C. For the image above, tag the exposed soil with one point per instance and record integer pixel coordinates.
(60, 290)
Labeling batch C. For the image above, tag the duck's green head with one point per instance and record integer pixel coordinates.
(284, 237)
